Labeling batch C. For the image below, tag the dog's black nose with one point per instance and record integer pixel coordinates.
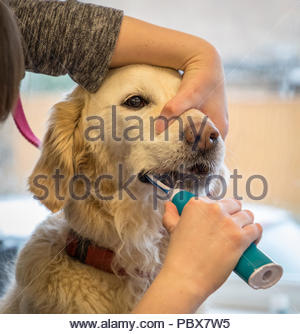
(202, 136)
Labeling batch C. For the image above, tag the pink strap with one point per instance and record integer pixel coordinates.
(23, 126)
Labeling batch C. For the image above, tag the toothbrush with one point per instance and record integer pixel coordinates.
(254, 266)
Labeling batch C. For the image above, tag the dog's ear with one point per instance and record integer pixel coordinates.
(57, 163)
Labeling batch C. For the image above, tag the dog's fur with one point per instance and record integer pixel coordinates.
(47, 280)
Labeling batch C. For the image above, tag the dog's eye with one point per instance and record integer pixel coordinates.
(135, 102)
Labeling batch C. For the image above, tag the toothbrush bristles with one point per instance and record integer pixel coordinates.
(157, 183)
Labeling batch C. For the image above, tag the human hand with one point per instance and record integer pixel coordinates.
(202, 88)
(207, 241)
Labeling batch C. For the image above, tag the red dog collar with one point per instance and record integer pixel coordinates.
(98, 257)
(88, 253)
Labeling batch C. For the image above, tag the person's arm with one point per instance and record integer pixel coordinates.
(84, 40)
(206, 243)
(169, 294)
(68, 37)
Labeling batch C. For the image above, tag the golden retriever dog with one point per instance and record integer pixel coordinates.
(105, 242)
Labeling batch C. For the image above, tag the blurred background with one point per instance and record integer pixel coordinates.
(260, 46)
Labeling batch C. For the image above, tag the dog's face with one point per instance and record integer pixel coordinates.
(113, 131)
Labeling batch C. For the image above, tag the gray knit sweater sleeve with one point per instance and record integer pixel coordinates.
(68, 37)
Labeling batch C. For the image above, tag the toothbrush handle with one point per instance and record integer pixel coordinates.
(180, 199)
(254, 266)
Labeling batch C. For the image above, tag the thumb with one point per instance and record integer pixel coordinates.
(170, 217)
(171, 110)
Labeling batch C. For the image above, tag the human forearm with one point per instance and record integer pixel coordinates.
(142, 42)
(170, 295)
